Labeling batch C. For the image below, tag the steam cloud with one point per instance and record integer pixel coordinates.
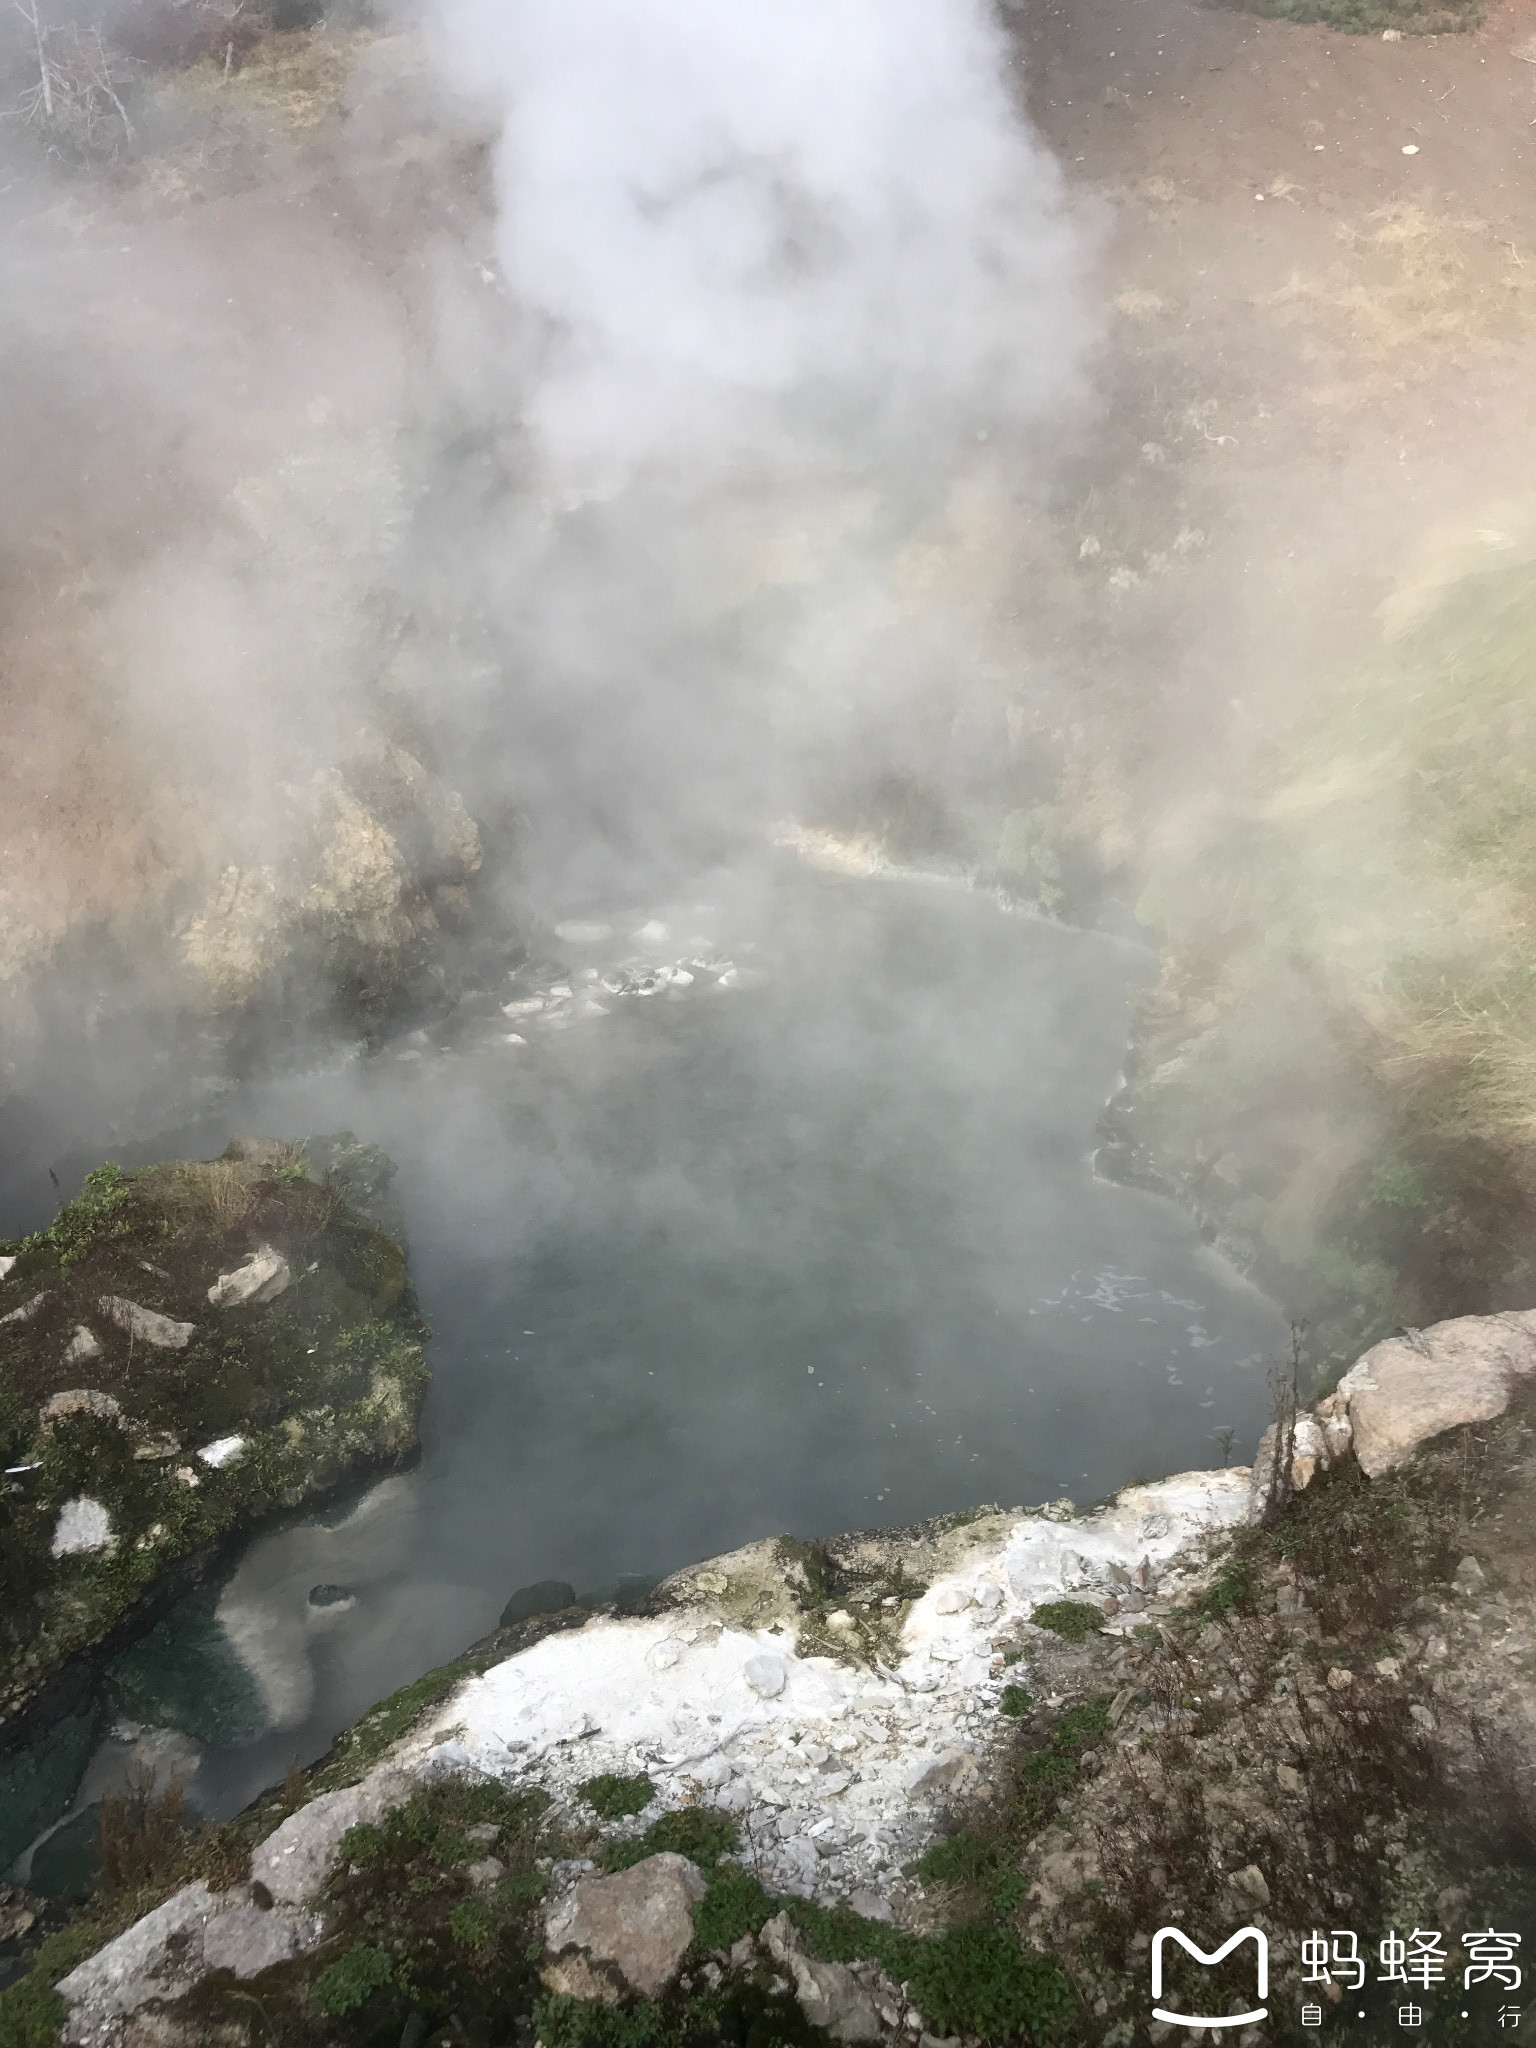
(784, 278)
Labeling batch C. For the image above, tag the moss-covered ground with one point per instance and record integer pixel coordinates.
(321, 1384)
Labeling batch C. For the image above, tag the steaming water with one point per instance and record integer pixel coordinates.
(816, 1250)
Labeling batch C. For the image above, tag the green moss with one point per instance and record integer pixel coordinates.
(352, 1980)
(31, 2014)
(1074, 1620)
(615, 1798)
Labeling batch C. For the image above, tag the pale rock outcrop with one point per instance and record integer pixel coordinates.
(296, 1859)
(83, 1526)
(261, 1279)
(78, 1401)
(1408, 1389)
(7, 1260)
(829, 1993)
(1319, 1437)
(26, 1312)
(163, 1955)
(638, 1922)
(146, 1325)
(83, 1346)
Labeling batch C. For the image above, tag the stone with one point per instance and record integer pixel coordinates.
(261, 1279)
(19, 1912)
(942, 1774)
(767, 1674)
(486, 1872)
(1469, 1577)
(158, 1957)
(639, 1921)
(830, 1995)
(870, 1906)
(6, 1263)
(1421, 1717)
(328, 1595)
(83, 1346)
(296, 1859)
(1318, 1441)
(83, 1525)
(224, 1450)
(26, 1312)
(78, 1401)
(247, 1940)
(1288, 1778)
(146, 1325)
(577, 1976)
(951, 1600)
(1252, 1883)
(1340, 1678)
(1406, 1390)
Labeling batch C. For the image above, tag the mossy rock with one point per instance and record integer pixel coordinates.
(321, 1384)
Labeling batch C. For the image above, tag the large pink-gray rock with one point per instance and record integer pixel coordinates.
(638, 1922)
(1406, 1390)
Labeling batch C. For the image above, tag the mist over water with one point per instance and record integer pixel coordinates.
(820, 1249)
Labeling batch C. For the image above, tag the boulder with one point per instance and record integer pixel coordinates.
(297, 1858)
(639, 1922)
(164, 1954)
(1408, 1389)
(830, 1995)
(146, 1325)
(77, 1401)
(1320, 1438)
(261, 1279)
(83, 1346)
(83, 1525)
(766, 1674)
(26, 1312)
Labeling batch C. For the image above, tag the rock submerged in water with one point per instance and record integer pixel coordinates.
(545, 1596)
(328, 1595)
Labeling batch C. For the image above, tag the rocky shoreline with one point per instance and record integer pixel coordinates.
(823, 1724)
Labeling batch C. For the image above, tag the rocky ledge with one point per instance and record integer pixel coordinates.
(187, 1349)
(908, 1785)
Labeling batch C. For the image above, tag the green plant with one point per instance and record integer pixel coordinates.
(1015, 1701)
(615, 1798)
(979, 1865)
(1235, 1586)
(31, 2013)
(561, 2022)
(695, 1832)
(735, 1904)
(470, 1924)
(350, 1982)
(1073, 1620)
(977, 1981)
(95, 1216)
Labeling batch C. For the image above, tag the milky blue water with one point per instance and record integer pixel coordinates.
(816, 1249)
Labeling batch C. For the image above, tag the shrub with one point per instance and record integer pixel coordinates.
(31, 2013)
(614, 1798)
(735, 1904)
(561, 2022)
(977, 1981)
(352, 1981)
(695, 1832)
(1074, 1620)
(470, 1924)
